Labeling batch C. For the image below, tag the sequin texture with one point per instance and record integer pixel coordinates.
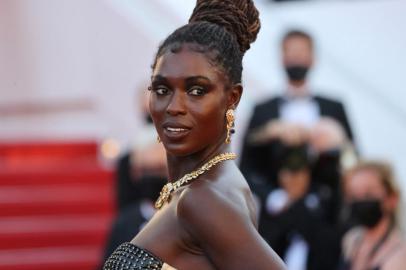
(130, 257)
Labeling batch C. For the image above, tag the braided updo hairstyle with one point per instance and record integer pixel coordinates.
(221, 29)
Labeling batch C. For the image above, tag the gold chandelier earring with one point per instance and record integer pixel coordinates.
(230, 124)
(158, 139)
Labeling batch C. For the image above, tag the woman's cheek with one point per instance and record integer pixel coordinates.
(215, 122)
(157, 109)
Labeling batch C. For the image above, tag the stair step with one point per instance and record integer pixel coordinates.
(63, 149)
(66, 174)
(41, 200)
(43, 231)
(55, 258)
(56, 205)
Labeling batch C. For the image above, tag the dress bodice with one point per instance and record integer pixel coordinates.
(130, 257)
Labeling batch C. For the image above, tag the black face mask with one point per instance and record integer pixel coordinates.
(366, 212)
(297, 73)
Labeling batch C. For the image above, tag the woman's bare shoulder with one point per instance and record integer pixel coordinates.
(224, 231)
(225, 193)
(205, 197)
(397, 260)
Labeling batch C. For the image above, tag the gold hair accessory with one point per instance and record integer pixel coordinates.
(230, 124)
(171, 187)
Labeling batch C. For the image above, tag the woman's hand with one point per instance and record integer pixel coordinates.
(288, 133)
(327, 134)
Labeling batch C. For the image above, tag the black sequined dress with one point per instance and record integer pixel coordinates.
(130, 257)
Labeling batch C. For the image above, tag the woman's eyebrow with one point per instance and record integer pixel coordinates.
(161, 78)
(195, 78)
(158, 78)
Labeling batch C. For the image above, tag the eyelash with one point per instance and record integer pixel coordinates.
(158, 88)
(202, 90)
(165, 90)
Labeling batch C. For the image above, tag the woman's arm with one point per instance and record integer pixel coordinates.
(225, 233)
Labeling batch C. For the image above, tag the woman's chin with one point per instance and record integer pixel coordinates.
(181, 150)
(178, 150)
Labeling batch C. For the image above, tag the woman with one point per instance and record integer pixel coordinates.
(206, 217)
(373, 198)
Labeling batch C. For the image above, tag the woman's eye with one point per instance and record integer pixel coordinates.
(160, 90)
(197, 91)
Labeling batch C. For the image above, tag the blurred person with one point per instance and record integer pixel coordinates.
(376, 242)
(297, 106)
(205, 217)
(140, 175)
(145, 160)
(299, 218)
(327, 142)
(131, 219)
(306, 232)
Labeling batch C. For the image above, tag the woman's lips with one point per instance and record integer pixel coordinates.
(176, 133)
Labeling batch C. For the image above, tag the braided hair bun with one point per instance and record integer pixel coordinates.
(238, 17)
(222, 30)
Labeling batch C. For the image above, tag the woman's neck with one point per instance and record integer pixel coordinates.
(377, 232)
(179, 166)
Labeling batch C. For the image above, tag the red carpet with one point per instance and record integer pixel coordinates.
(56, 206)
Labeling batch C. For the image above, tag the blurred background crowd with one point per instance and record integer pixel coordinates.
(320, 131)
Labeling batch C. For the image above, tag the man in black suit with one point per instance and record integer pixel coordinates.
(263, 151)
(297, 105)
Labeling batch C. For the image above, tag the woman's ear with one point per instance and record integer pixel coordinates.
(234, 95)
(391, 202)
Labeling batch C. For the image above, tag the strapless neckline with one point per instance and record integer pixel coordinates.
(129, 256)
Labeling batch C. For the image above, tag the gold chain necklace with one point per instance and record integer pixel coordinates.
(171, 187)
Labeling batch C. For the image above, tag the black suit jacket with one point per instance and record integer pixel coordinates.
(259, 164)
(256, 161)
(270, 110)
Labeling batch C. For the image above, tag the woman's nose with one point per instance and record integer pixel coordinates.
(177, 104)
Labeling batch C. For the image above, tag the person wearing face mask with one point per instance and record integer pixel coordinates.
(144, 161)
(140, 175)
(298, 106)
(376, 241)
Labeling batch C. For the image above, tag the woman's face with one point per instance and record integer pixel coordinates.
(188, 102)
(366, 184)
(297, 50)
